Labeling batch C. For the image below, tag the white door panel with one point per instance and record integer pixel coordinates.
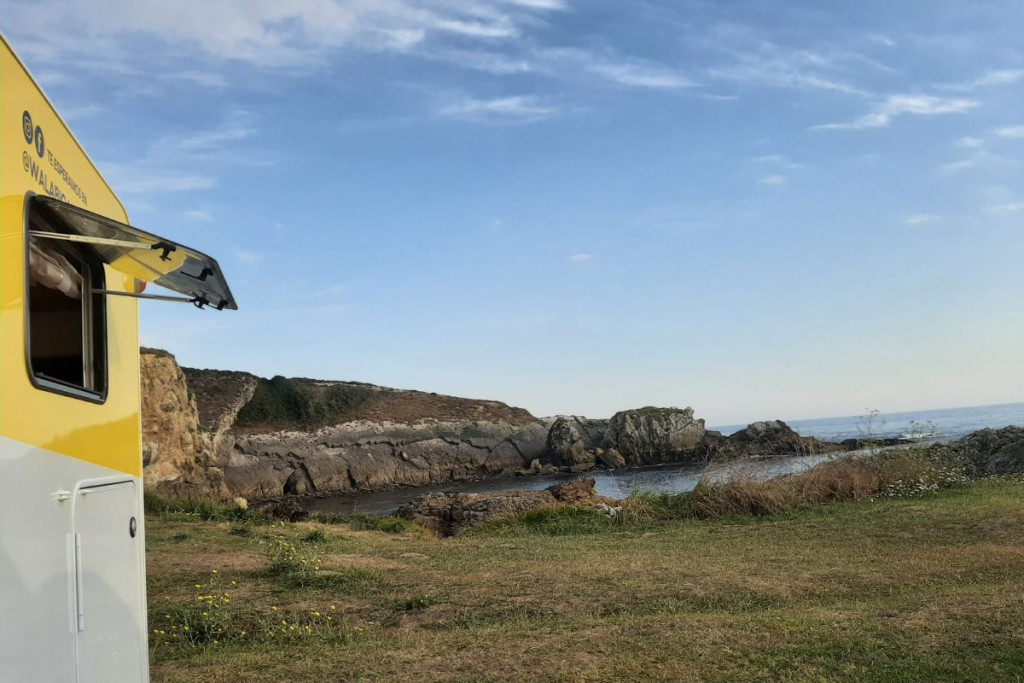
(110, 613)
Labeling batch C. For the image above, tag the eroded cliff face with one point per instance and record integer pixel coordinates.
(176, 451)
(229, 434)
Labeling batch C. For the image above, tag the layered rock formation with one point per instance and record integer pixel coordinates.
(229, 434)
(364, 455)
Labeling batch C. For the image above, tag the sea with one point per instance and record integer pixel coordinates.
(946, 424)
(927, 426)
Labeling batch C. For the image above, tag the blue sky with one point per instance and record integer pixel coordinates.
(760, 209)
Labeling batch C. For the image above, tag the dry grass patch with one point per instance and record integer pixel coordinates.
(887, 590)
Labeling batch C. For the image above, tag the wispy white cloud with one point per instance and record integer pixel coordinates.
(197, 216)
(270, 32)
(578, 258)
(88, 111)
(1011, 132)
(959, 165)
(480, 60)
(923, 218)
(989, 79)
(148, 180)
(882, 114)
(168, 164)
(980, 159)
(248, 256)
(772, 180)
(1007, 208)
(641, 76)
(969, 142)
(621, 70)
(781, 75)
(500, 109)
(540, 4)
(778, 160)
(207, 79)
(749, 59)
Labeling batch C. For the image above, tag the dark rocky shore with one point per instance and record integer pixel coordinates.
(221, 434)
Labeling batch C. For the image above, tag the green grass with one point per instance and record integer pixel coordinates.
(881, 589)
(556, 521)
(203, 510)
(361, 522)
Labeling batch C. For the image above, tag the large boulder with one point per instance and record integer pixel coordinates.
(765, 438)
(651, 436)
(568, 446)
(993, 451)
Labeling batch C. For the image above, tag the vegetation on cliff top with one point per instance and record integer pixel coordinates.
(280, 401)
(300, 403)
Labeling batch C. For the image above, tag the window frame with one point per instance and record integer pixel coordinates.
(95, 315)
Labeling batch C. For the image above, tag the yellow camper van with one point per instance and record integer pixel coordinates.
(72, 271)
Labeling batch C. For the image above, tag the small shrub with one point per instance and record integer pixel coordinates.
(346, 579)
(200, 623)
(329, 518)
(315, 536)
(298, 565)
(240, 530)
(204, 510)
(414, 604)
(390, 525)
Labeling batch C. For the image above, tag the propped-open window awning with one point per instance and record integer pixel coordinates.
(141, 255)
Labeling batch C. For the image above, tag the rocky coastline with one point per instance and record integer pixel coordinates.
(225, 435)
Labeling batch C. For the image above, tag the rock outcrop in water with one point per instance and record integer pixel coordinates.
(993, 451)
(770, 437)
(630, 438)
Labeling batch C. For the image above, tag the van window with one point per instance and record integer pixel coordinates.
(66, 312)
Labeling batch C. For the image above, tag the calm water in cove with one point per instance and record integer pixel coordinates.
(932, 425)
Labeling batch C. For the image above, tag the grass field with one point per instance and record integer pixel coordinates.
(930, 588)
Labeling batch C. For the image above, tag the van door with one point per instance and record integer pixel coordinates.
(110, 596)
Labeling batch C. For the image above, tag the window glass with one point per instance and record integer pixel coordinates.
(66, 330)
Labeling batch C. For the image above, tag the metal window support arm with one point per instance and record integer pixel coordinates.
(197, 301)
(154, 297)
(109, 241)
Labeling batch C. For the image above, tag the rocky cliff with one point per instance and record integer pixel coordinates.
(229, 434)
(176, 450)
